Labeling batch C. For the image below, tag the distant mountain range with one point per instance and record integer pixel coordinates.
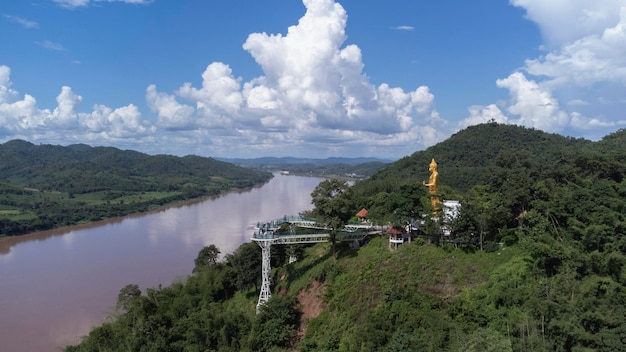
(294, 160)
(355, 168)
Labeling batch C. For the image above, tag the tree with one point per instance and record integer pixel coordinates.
(128, 296)
(246, 264)
(487, 340)
(333, 206)
(275, 324)
(396, 207)
(480, 207)
(206, 257)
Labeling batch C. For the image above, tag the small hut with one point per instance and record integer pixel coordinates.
(362, 215)
(396, 236)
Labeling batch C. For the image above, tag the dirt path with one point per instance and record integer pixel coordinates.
(311, 301)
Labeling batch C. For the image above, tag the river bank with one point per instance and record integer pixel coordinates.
(57, 284)
(6, 242)
(98, 207)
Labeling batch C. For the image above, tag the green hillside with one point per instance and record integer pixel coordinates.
(465, 158)
(46, 186)
(536, 261)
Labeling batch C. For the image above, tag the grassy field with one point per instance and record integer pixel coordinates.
(31, 210)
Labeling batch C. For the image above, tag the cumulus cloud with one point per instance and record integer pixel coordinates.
(71, 4)
(534, 106)
(584, 43)
(313, 90)
(6, 93)
(220, 92)
(563, 22)
(479, 114)
(171, 114)
(105, 123)
(22, 116)
(581, 122)
(596, 57)
(65, 112)
(312, 99)
(530, 105)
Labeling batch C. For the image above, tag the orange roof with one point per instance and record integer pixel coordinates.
(362, 213)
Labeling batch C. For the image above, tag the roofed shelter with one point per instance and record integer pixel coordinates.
(362, 214)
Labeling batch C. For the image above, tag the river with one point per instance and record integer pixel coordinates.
(56, 285)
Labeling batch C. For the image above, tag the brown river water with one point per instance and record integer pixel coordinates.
(56, 285)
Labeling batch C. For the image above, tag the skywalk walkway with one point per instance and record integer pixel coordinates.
(299, 230)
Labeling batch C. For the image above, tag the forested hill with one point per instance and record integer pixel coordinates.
(509, 169)
(535, 261)
(614, 143)
(46, 186)
(80, 168)
(465, 159)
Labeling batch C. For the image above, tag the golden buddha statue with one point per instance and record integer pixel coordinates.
(433, 185)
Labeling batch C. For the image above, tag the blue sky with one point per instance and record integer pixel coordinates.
(316, 78)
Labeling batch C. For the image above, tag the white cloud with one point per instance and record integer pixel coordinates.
(171, 114)
(22, 117)
(112, 124)
(585, 57)
(70, 4)
(220, 92)
(483, 114)
(586, 41)
(577, 102)
(534, 105)
(565, 21)
(312, 99)
(404, 28)
(46, 44)
(105, 125)
(14, 113)
(23, 21)
(6, 93)
(590, 59)
(531, 105)
(65, 112)
(581, 122)
(313, 90)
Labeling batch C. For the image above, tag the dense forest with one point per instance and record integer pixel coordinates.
(535, 261)
(47, 186)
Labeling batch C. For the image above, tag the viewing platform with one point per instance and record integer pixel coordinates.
(296, 229)
(299, 230)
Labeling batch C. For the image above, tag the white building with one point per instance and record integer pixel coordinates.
(451, 209)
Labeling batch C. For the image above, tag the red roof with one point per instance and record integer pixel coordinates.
(362, 213)
(396, 230)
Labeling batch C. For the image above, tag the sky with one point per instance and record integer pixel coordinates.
(310, 78)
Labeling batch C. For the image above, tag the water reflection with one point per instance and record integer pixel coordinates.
(57, 284)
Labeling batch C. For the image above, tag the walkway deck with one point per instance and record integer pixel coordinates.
(299, 230)
(302, 230)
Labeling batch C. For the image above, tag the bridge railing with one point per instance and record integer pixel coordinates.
(309, 230)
